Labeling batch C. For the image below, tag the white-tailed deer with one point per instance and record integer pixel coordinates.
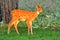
(22, 15)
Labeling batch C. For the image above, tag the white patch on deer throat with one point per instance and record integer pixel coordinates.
(37, 12)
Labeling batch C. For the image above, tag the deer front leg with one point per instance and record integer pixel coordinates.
(15, 26)
(29, 24)
(31, 31)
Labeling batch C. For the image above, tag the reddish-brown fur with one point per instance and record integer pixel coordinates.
(22, 15)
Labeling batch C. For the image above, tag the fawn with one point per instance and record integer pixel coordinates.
(22, 15)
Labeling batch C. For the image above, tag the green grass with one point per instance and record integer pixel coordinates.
(39, 34)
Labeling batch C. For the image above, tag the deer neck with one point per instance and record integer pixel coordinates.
(38, 12)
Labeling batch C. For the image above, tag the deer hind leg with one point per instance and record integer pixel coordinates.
(15, 26)
(10, 25)
(29, 24)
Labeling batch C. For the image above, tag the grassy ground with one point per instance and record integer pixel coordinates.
(39, 34)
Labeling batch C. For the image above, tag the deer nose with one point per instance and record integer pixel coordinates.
(42, 10)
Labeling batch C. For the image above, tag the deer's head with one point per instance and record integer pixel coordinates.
(39, 8)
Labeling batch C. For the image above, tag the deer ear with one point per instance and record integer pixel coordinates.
(38, 6)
